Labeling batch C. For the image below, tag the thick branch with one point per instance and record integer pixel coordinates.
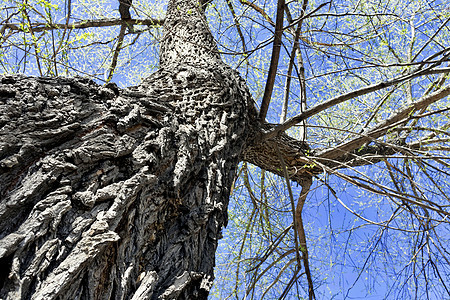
(342, 98)
(300, 159)
(396, 119)
(273, 61)
(294, 153)
(124, 9)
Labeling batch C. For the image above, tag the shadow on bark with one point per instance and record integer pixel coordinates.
(117, 194)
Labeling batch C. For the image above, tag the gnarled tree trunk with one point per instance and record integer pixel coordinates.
(121, 194)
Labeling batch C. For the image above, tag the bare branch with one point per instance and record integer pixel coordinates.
(238, 26)
(39, 27)
(259, 10)
(273, 61)
(397, 118)
(306, 185)
(301, 74)
(342, 98)
(116, 52)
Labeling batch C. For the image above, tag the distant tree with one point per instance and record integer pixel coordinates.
(111, 192)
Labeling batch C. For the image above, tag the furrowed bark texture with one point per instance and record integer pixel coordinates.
(117, 197)
(121, 194)
(294, 153)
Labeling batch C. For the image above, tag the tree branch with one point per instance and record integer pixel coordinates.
(39, 27)
(258, 9)
(306, 185)
(293, 152)
(396, 119)
(273, 61)
(301, 161)
(294, 50)
(353, 94)
(238, 26)
(112, 68)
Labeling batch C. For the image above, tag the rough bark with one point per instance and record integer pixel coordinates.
(294, 154)
(117, 197)
(121, 194)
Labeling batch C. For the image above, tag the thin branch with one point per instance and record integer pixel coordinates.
(36, 47)
(291, 196)
(295, 48)
(238, 26)
(299, 231)
(60, 63)
(280, 273)
(116, 52)
(300, 19)
(306, 185)
(258, 9)
(39, 27)
(432, 38)
(385, 191)
(271, 248)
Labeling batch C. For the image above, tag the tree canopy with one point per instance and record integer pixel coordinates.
(358, 204)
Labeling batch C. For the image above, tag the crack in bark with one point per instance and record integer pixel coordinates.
(109, 193)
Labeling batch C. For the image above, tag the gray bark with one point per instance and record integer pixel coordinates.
(106, 196)
(121, 194)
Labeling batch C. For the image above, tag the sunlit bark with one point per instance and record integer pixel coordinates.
(121, 194)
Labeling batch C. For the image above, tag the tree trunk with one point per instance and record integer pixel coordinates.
(121, 194)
